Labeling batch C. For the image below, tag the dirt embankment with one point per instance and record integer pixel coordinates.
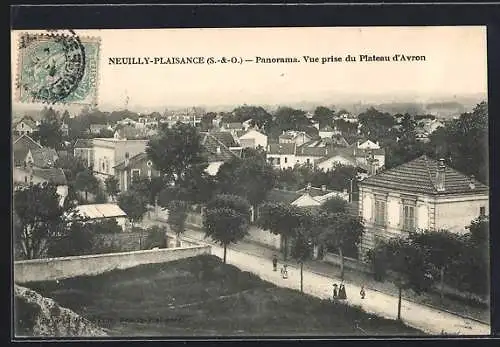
(37, 316)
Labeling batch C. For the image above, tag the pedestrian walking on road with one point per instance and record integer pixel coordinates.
(335, 291)
(275, 263)
(284, 272)
(362, 292)
(342, 293)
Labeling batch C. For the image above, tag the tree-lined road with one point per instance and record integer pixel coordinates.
(427, 319)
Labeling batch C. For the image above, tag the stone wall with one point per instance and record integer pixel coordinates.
(88, 265)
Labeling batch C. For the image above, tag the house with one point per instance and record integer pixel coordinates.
(25, 126)
(225, 137)
(99, 212)
(292, 136)
(21, 146)
(423, 194)
(253, 139)
(147, 122)
(65, 129)
(247, 124)
(367, 144)
(97, 128)
(321, 195)
(338, 156)
(41, 157)
(365, 156)
(232, 128)
(281, 155)
(135, 167)
(431, 126)
(337, 140)
(326, 132)
(310, 152)
(421, 135)
(216, 152)
(84, 150)
(131, 133)
(108, 152)
(24, 176)
(127, 121)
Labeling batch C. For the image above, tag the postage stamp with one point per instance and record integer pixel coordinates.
(57, 67)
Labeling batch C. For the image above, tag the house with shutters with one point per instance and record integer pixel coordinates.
(135, 167)
(423, 194)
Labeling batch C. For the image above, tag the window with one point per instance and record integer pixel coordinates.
(278, 161)
(135, 174)
(286, 160)
(380, 207)
(482, 211)
(308, 161)
(408, 218)
(25, 179)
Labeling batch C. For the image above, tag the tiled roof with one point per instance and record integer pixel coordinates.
(28, 121)
(21, 146)
(419, 176)
(308, 150)
(282, 148)
(83, 143)
(314, 191)
(44, 157)
(343, 152)
(132, 160)
(285, 196)
(52, 175)
(237, 151)
(250, 134)
(226, 138)
(211, 143)
(96, 211)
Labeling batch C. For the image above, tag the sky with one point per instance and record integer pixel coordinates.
(455, 64)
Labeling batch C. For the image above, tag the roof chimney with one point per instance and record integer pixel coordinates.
(472, 183)
(440, 176)
(323, 188)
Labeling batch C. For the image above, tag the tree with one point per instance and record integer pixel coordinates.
(207, 121)
(106, 133)
(49, 132)
(323, 115)
(302, 242)
(227, 219)
(39, 219)
(376, 124)
(251, 178)
(443, 250)
(176, 151)
(133, 205)
(407, 261)
(77, 238)
(341, 231)
(280, 219)
(111, 184)
(86, 181)
(334, 205)
(177, 215)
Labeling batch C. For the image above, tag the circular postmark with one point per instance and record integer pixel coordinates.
(52, 66)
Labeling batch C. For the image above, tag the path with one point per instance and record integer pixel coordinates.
(429, 320)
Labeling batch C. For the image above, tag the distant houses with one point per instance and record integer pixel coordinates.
(253, 139)
(25, 126)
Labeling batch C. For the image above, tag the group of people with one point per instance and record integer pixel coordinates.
(339, 292)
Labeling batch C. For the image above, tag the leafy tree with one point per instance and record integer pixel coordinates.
(340, 232)
(301, 250)
(207, 121)
(77, 238)
(176, 151)
(323, 115)
(39, 219)
(177, 215)
(376, 124)
(49, 132)
(334, 205)
(443, 250)
(156, 237)
(111, 184)
(407, 261)
(133, 205)
(251, 178)
(279, 219)
(106, 133)
(85, 181)
(227, 219)
(71, 167)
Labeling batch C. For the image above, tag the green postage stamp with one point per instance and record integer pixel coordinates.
(57, 68)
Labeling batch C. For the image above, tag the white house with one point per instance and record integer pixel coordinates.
(281, 155)
(25, 126)
(253, 139)
(367, 144)
(326, 132)
(296, 137)
(418, 195)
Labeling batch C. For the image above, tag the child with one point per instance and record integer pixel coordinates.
(275, 262)
(362, 292)
(335, 291)
(284, 272)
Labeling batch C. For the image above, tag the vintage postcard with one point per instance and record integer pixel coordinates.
(252, 182)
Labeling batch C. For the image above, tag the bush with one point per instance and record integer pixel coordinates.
(156, 237)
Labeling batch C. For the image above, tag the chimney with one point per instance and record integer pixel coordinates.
(218, 149)
(323, 188)
(440, 175)
(126, 159)
(472, 183)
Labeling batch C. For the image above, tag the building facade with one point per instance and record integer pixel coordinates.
(136, 167)
(423, 194)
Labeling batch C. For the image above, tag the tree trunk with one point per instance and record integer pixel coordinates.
(177, 240)
(285, 247)
(86, 198)
(301, 277)
(442, 283)
(225, 251)
(341, 255)
(399, 303)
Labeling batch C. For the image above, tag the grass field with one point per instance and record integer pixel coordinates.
(200, 296)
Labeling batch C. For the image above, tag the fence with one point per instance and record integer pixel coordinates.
(88, 265)
(349, 263)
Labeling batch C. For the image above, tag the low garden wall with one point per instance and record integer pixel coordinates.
(349, 263)
(67, 267)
